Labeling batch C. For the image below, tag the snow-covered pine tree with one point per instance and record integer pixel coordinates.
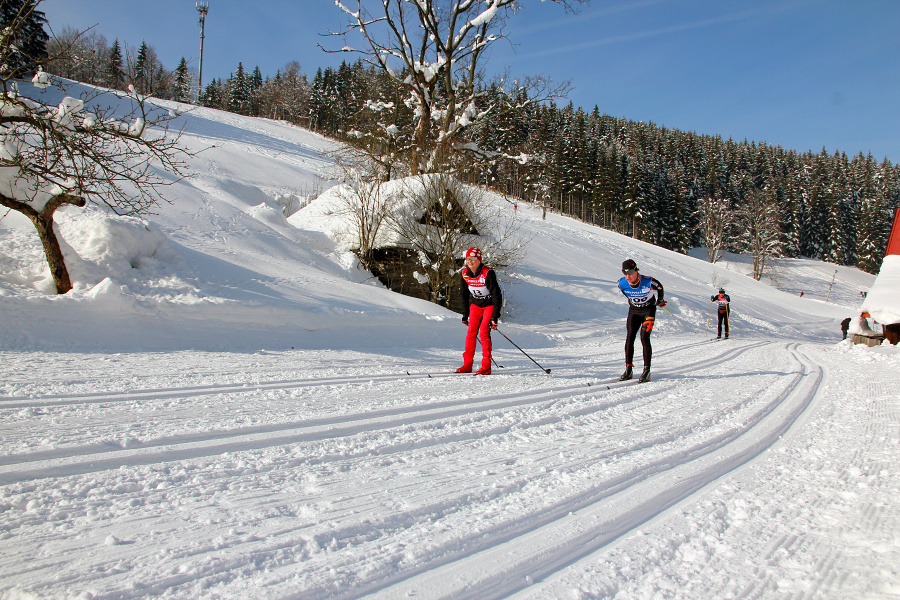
(317, 102)
(254, 88)
(181, 91)
(214, 94)
(28, 46)
(789, 205)
(140, 73)
(256, 80)
(610, 184)
(113, 70)
(238, 91)
(872, 233)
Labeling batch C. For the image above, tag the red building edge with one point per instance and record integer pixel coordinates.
(892, 331)
(893, 245)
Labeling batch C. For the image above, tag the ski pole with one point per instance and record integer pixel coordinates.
(709, 319)
(496, 364)
(677, 317)
(522, 351)
(728, 321)
(667, 310)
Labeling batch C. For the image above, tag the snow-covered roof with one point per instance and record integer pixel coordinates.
(331, 213)
(883, 299)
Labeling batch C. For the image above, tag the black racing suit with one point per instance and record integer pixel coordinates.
(724, 302)
(642, 302)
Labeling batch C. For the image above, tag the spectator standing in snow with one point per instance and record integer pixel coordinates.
(644, 295)
(845, 326)
(481, 300)
(724, 303)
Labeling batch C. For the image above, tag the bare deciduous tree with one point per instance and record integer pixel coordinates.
(285, 96)
(80, 56)
(758, 218)
(714, 216)
(77, 152)
(362, 204)
(433, 51)
(717, 281)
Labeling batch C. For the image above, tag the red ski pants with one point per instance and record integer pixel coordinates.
(479, 326)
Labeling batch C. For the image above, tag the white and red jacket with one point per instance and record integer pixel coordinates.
(481, 289)
(722, 300)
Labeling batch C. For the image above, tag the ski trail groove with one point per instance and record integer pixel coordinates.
(508, 567)
(82, 459)
(369, 477)
(93, 458)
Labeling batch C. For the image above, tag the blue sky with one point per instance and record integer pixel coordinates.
(802, 74)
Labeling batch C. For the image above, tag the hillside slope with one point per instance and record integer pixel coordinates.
(222, 268)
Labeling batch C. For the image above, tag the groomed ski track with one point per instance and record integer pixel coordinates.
(582, 524)
(607, 456)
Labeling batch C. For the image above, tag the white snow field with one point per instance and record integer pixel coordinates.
(222, 408)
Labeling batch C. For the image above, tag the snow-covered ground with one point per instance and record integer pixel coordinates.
(227, 407)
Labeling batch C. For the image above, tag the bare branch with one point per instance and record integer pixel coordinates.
(117, 156)
(433, 51)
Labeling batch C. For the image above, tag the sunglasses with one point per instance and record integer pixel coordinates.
(629, 271)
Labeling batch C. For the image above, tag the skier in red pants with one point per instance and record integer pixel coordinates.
(481, 300)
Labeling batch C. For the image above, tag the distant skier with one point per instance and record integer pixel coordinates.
(481, 300)
(845, 327)
(724, 302)
(644, 295)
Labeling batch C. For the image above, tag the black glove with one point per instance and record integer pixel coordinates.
(661, 303)
(465, 320)
(493, 324)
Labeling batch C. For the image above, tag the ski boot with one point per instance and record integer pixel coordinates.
(627, 374)
(466, 368)
(645, 376)
(483, 371)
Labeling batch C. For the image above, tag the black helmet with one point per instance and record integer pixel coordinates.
(721, 290)
(629, 266)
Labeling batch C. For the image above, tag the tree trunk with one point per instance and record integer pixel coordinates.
(43, 222)
(53, 252)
